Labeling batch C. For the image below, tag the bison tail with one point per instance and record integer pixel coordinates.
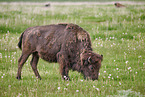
(20, 41)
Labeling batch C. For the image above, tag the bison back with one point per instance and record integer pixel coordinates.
(50, 39)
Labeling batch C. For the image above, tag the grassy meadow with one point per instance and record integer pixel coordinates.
(66, 0)
(117, 33)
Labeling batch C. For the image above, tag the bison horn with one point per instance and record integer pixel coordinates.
(89, 59)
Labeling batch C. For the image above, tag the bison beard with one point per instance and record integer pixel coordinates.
(67, 44)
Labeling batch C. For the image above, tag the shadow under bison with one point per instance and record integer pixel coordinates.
(67, 44)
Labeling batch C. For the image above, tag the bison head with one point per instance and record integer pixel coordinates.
(90, 64)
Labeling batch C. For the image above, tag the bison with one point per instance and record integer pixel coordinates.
(118, 5)
(67, 44)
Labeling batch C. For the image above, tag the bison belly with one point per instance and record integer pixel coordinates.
(49, 52)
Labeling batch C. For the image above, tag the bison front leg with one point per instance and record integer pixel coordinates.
(64, 70)
(33, 63)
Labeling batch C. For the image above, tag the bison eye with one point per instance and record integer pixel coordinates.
(96, 61)
(91, 67)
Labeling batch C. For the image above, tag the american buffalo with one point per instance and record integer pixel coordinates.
(67, 44)
(47, 5)
(118, 5)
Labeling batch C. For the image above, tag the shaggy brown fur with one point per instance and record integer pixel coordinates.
(67, 44)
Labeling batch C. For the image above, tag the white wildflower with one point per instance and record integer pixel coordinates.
(136, 72)
(46, 72)
(77, 90)
(119, 83)
(129, 68)
(139, 56)
(58, 88)
(65, 77)
(65, 88)
(97, 89)
(81, 80)
(19, 95)
(126, 62)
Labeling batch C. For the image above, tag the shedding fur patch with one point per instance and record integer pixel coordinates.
(82, 35)
(80, 32)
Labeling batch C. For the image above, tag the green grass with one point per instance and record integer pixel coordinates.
(65, 0)
(117, 33)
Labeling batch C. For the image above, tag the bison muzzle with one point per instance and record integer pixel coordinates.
(67, 44)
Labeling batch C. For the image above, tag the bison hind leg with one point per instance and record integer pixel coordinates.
(34, 61)
(21, 62)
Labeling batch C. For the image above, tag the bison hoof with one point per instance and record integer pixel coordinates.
(39, 77)
(66, 78)
(19, 78)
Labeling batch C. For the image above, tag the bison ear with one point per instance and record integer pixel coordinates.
(89, 59)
